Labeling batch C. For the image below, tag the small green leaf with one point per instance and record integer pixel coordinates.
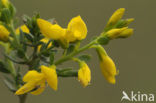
(70, 49)
(85, 57)
(21, 36)
(43, 47)
(121, 24)
(5, 15)
(3, 68)
(103, 40)
(29, 37)
(12, 10)
(9, 84)
(20, 53)
(51, 58)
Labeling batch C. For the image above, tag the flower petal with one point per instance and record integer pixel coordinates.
(33, 76)
(108, 65)
(84, 74)
(40, 89)
(50, 75)
(78, 29)
(26, 88)
(49, 30)
(23, 28)
(110, 78)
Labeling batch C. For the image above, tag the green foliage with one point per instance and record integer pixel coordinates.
(85, 57)
(3, 68)
(103, 40)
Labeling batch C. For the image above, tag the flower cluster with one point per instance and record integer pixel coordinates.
(36, 42)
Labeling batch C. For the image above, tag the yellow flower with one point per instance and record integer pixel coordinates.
(50, 75)
(4, 33)
(84, 74)
(126, 33)
(5, 3)
(108, 68)
(23, 28)
(52, 31)
(107, 65)
(117, 15)
(114, 33)
(76, 29)
(35, 81)
(44, 40)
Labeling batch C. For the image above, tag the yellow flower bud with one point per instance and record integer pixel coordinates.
(44, 40)
(4, 33)
(114, 33)
(52, 31)
(108, 68)
(23, 28)
(5, 3)
(84, 74)
(107, 65)
(50, 75)
(117, 15)
(126, 33)
(128, 21)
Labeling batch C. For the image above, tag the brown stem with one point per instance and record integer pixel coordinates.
(22, 98)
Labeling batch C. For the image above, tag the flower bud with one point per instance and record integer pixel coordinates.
(107, 65)
(117, 15)
(84, 74)
(4, 33)
(126, 33)
(114, 33)
(128, 21)
(5, 3)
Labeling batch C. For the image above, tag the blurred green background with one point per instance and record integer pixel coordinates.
(134, 57)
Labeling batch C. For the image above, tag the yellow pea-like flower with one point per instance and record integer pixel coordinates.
(76, 30)
(117, 15)
(4, 33)
(114, 33)
(50, 75)
(108, 68)
(52, 31)
(24, 28)
(44, 40)
(126, 33)
(33, 80)
(36, 80)
(84, 74)
(107, 65)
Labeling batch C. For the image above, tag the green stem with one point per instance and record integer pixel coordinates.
(22, 98)
(12, 30)
(65, 58)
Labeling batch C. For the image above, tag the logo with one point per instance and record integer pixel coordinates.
(140, 97)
